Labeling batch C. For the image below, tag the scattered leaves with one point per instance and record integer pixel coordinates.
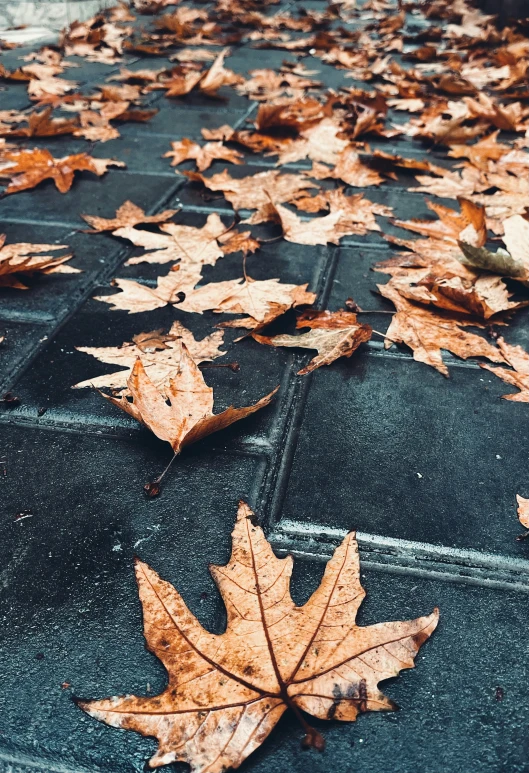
(159, 354)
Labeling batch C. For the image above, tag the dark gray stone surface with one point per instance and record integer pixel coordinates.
(425, 468)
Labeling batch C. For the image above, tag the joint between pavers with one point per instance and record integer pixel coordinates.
(275, 486)
(120, 429)
(317, 543)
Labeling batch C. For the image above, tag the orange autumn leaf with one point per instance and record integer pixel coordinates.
(159, 353)
(185, 243)
(227, 692)
(127, 215)
(518, 377)
(26, 259)
(255, 191)
(183, 413)
(42, 125)
(334, 334)
(28, 168)
(204, 156)
(349, 169)
(427, 332)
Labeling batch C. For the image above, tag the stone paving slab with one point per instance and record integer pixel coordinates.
(337, 450)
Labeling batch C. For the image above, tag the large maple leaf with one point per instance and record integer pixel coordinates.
(255, 191)
(184, 243)
(226, 693)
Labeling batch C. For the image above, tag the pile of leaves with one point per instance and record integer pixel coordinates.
(455, 88)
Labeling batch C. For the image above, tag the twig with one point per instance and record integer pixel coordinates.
(153, 489)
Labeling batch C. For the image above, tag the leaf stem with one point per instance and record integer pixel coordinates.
(313, 738)
(383, 335)
(153, 488)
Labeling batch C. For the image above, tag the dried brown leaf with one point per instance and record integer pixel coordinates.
(513, 262)
(229, 691)
(333, 334)
(183, 414)
(187, 244)
(25, 259)
(28, 168)
(427, 332)
(159, 353)
(128, 215)
(349, 169)
(518, 377)
(255, 191)
(204, 155)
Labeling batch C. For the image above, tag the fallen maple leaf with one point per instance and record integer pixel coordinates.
(129, 215)
(453, 184)
(158, 352)
(22, 259)
(448, 285)
(95, 127)
(426, 333)
(185, 243)
(238, 242)
(319, 143)
(518, 359)
(523, 511)
(227, 692)
(288, 114)
(183, 413)
(483, 151)
(333, 333)
(136, 297)
(182, 80)
(28, 168)
(356, 208)
(330, 229)
(185, 150)
(41, 125)
(255, 191)
(350, 169)
(218, 76)
(468, 225)
(263, 300)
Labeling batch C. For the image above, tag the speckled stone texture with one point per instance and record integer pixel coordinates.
(425, 468)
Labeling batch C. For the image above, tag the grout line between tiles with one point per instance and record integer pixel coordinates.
(316, 542)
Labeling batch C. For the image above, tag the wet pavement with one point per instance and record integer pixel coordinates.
(425, 468)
